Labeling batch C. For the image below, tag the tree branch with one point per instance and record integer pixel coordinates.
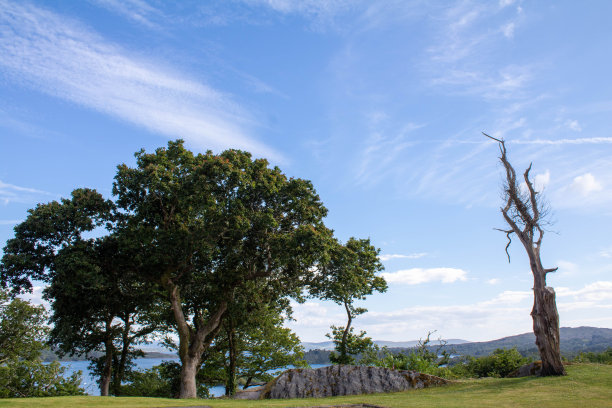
(507, 232)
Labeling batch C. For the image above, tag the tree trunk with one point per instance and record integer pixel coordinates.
(108, 366)
(118, 376)
(546, 330)
(192, 342)
(230, 385)
(545, 315)
(189, 369)
(343, 352)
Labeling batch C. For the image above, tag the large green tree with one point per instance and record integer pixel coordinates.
(206, 224)
(350, 275)
(94, 289)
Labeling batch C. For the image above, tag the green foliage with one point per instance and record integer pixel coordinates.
(605, 357)
(208, 224)
(22, 373)
(33, 378)
(22, 329)
(161, 381)
(499, 364)
(349, 275)
(251, 347)
(353, 345)
(421, 358)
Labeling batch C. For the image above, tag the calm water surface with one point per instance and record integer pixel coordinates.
(91, 386)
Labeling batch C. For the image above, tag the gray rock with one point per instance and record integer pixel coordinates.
(527, 370)
(342, 380)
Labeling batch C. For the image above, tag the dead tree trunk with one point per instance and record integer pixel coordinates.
(524, 212)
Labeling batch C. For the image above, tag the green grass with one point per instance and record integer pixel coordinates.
(587, 385)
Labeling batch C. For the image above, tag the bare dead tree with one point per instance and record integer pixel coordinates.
(524, 211)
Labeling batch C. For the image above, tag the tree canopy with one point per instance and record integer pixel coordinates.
(207, 224)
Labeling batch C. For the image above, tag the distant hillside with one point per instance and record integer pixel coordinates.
(573, 341)
(328, 345)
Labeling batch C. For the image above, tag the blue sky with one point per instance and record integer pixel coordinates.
(379, 103)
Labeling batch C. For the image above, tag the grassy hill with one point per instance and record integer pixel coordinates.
(588, 385)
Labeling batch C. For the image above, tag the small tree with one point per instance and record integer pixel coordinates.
(525, 213)
(22, 372)
(350, 275)
(22, 329)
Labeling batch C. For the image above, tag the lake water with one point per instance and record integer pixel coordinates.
(91, 386)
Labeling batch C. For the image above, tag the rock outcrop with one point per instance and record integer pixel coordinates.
(340, 380)
(527, 370)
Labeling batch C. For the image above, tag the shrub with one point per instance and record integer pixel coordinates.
(605, 357)
(159, 381)
(499, 364)
(33, 378)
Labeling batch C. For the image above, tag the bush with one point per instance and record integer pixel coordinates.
(33, 378)
(605, 357)
(499, 364)
(421, 359)
(159, 381)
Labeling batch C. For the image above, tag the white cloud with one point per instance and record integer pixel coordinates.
(508, 30)
(505, 314)
(508, 297)
(416, 276)
(60, 57)
(567, 267)
(10, 193)
(593, 292)
(10, 222)
(493, 281)
(36, 297)
(387, 257)
(586, 184)
(505, 3)
(542, 180)
(574, 125)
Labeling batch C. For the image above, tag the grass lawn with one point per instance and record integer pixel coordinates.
(587, 385)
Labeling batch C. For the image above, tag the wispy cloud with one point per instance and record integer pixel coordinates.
(138, 11)
(466, 33)
(61, 57)
(388, 257)
(9, 222)
(556, 142)
(309, 8)
(417, 276)
(10, 193)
